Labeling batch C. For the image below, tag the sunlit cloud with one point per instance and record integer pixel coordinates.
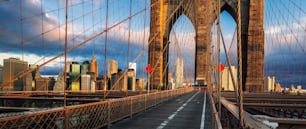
(121, 33)
(39, 59)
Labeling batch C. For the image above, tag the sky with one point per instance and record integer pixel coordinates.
(34, 30)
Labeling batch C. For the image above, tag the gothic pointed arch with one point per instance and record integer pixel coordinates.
(202, 14)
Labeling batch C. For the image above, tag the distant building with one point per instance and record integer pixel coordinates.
(93, 85)
(269, 84)
(85, 67)
(299, 87)
(85, 82)
(118, 81)
(11, 68)
(44, 84)
(1, 75)
(75, 86)
(100, 84)
(94, 67)
(74, 76)
(226, 78)
(35, 74)
(170, 81)
(68, 67)
(112, 67)
(133, 65)
(112, 81)
(179, 72)
(34, 81)
(60, 83)
(93, 81)
(139, 84)
(123, 81)
(278, 87)
(28, 83)
(292, 88)
(131, 79)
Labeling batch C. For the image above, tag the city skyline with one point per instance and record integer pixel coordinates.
(47, 45)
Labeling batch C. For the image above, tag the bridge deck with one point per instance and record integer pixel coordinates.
(184, 112)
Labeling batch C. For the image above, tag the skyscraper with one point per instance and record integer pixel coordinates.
(226, 78)
(74, 76)
(118, 81)
(112, 67)
(93, 81)
(94, 67)
(133, 65)
(85, 82)
(123, 81)
(85, 67)
(139, 84)
(269, 83)
(68, 66)
(131, 79)
(11, 68)
(179, 72)
(44, 84)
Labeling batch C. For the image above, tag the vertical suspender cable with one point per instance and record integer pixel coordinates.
(129, 38)
(21, 39)
(105, 47)
(240, 65)
(144, 38)
(218, 61)
(229, 63)
(21, 31)
(59, 26)
(42, 33)
(66, 39)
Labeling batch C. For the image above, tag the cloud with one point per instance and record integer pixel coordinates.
(121, 33)
(32, 26)
(290, 33)
(285, 42)
(185, 40)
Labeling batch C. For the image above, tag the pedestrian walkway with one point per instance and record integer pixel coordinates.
(189, 111)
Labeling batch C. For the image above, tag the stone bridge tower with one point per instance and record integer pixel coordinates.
(202, 14)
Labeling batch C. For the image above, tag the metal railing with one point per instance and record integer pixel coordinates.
(248, 120)
(216, 124)
(91, 115)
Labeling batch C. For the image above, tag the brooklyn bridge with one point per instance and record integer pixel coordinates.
(153, 64)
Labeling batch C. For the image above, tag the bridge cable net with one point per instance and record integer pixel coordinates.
(170, 20)
(138, 54)
(86, 28)
(180, 47)
(230, 42)
(285, 44)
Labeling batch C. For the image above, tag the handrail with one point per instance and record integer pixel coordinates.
(249, 120)
(215, 115)
(91, 115)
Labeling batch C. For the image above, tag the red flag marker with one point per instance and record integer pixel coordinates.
(149, 68)
(221, 67)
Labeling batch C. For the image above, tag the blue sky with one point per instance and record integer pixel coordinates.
(87, 17)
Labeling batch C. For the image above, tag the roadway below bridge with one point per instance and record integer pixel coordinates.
(189, 111)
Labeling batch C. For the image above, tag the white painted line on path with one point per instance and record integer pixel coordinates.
(162, 125)
(203, 112)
